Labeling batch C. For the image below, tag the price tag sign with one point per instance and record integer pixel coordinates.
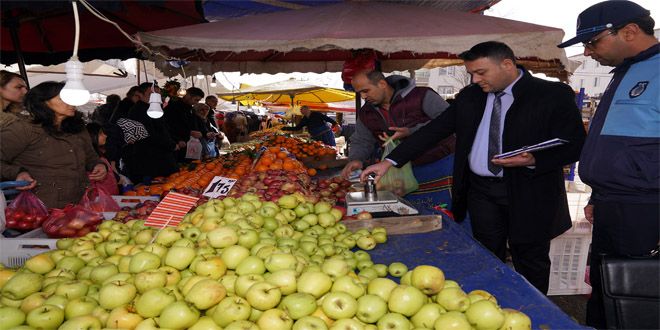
(219, 186)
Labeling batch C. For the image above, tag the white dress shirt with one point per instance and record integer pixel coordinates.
(478, 157)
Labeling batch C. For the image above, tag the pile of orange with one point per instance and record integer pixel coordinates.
(276, 158)
(300, 148)
(232, 165)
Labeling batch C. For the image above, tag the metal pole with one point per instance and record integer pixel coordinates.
(13, 29)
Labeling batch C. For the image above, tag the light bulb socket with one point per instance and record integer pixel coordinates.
(155, 98)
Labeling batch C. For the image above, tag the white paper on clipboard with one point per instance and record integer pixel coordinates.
(540, 146)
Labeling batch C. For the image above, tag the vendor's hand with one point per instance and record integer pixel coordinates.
(181, 145)
(379, 169)
(350, 167)
(524, 159)
(196, 134)
(399, 133)
(25, 176)
(210, 135)
(98, 173)
(589, 213)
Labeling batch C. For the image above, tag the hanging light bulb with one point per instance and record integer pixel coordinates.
(74, 92)
(214, 82)
(200, 74)
(155, 110)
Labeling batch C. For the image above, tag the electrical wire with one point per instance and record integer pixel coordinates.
(77, 37)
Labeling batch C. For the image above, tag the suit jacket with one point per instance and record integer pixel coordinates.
(541, 110)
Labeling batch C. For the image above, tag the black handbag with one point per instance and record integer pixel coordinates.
(631, 291)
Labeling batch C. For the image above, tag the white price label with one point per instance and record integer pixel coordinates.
(219, 186)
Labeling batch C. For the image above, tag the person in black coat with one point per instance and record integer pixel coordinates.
(519, 200)
(181, 121)
(152, 156)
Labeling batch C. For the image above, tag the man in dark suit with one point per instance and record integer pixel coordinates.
(519, 200)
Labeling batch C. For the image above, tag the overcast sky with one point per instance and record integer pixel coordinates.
(557, 13)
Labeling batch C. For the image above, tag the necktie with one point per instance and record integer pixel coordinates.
(494, 133)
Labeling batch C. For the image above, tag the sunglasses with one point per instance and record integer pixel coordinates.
(591, 44)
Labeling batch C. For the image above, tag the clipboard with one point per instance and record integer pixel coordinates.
(539, 146)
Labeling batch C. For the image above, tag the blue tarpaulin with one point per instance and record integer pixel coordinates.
(466, 261)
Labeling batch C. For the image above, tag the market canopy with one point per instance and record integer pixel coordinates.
(320, 39)
(289, 92)
(45, 29)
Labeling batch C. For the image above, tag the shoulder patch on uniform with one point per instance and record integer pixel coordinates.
(638, 89)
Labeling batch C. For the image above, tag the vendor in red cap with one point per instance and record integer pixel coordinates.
(621, 156)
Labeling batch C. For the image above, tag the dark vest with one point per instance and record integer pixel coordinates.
(406, 112)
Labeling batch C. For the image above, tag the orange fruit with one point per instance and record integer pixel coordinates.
(311, 172)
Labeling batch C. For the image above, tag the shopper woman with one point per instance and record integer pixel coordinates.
(12, 93)
(99, 138)
(51, 149)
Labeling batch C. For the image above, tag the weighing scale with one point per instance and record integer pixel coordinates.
(378, 203)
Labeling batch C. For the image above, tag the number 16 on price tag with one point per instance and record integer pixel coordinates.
(219, 186)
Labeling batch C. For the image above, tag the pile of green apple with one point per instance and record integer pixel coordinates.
(238, 264)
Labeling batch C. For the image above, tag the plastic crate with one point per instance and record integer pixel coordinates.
(569, 254)
(15, 251)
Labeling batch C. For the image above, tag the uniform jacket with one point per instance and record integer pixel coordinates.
(59, 163)
(621, 156)
(541, 110)
(410, 107)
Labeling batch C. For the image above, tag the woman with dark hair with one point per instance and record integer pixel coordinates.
(99, 138)
(51, 149)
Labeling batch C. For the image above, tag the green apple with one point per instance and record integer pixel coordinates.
(381, 287)
(348, 324)
(45, 317)
(173, 275)
(263, 296)
(33, 301)
(394, 321)
(485, 314)
(122, 318)
(339, 305)
(452, 320)
(86, 322)
(350, 285)
(210, 266)
(406, 300)
(229, 281)
(380, 269)
(64, 243)
(80, 306)
(57, 300)
(179, 315)
(279, 261)
(244, 282)
(426, 316)
(21, 285)
(143, 261)
(429, 279)
(251, 265)
(275, 319)
(179, 257)
(167, 236)
(116, 294)
(453, 299)
(72, 289)
(371, 308)
(152, 302)
(515, 320)
(231, 309)
(299, 305)
(205, 323)
(11, 317)
(310, 323)
(315, 283)
(242, 325)
(40, 264)
(206, 294)
(397, 269)
(150, 279)
(284, 279)
(476, 295)
(335, 267)
(222, 237)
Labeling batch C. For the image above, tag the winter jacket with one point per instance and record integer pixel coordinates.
(411, 107)
(59, 162)
(621, 156)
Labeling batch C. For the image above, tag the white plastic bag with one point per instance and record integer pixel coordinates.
(194, 148)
